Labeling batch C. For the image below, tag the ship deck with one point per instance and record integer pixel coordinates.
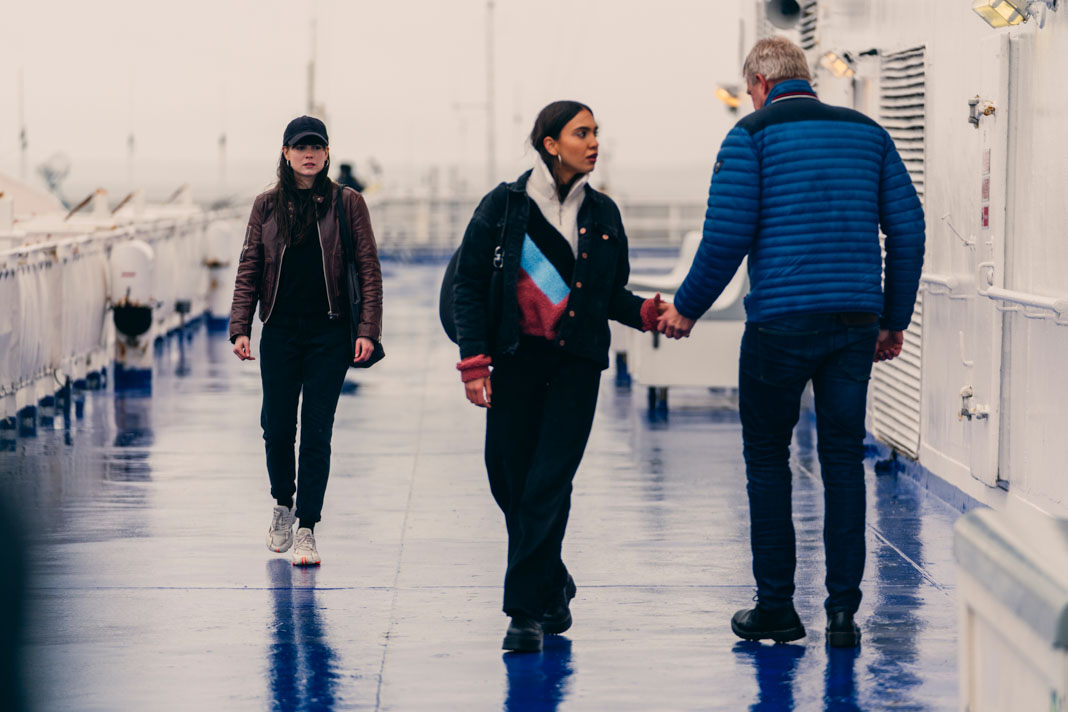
(151, 587)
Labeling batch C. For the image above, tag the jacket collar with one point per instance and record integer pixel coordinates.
(519, 185)
(790, 89)
(542, 186)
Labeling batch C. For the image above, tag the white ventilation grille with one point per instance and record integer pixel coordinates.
(902, 103)
(808, 24)
(896, 384)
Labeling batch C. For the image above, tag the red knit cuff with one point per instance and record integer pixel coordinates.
(650, 313)
(474, 367)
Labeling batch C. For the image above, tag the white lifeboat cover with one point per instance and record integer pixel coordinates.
(133, 274)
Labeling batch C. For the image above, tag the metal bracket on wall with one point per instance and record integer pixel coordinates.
(979, 412)
(947, 285)
(978, 108)
(968, 363)
(967, 243)
(1031, 306)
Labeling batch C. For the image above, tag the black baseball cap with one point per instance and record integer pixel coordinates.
(302, 128)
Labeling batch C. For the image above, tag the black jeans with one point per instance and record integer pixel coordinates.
(536, 432)
(308, 355)
(778, 358)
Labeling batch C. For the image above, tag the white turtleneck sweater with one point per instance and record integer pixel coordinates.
(541, 187)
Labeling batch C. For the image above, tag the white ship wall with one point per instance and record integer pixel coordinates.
(1008, 359)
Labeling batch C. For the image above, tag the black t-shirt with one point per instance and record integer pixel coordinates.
(302, 284)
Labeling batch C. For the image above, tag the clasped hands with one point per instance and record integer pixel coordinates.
(672, 324)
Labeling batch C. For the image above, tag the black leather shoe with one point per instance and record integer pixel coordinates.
(523, 635)
(842, 632)
(557, 618)
(781, 625)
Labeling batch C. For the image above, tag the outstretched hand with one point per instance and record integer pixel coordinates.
(672, 324)
(889, 344)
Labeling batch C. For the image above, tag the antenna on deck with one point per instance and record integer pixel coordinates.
(491, 129)
(23, 142)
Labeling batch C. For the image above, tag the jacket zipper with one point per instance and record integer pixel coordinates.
(330, 313)
(274, 296)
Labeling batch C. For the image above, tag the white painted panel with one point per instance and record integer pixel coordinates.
(896, 392)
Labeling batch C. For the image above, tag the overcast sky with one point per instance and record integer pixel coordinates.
(401, 81)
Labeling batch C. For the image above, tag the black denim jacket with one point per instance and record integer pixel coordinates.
(598, 286)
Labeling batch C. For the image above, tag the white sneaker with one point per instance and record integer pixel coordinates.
(304, 553)
(280, 535)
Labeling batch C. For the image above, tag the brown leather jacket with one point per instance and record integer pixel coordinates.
(261, 264)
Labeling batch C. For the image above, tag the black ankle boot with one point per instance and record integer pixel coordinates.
(557, 618)
(842, 632)
(523, 635)
(781, 625)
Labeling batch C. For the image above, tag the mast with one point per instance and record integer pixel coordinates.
(491, 129)
(23, 142)
(311, 72)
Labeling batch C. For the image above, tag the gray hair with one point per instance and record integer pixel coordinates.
(776, 59)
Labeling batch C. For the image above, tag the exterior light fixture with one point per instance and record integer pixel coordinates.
(1005, 13)
(729, 96)
(839, 66)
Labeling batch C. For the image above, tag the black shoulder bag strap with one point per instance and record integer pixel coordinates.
(446, 310)
(348, 248)
(496, 287)
(351, 276)
(498, 253)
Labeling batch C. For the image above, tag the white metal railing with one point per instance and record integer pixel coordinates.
(54, 301)
(1031, 306)
(948, 285)
(427, 222)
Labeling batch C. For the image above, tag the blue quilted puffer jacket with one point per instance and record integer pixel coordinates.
(803, 188)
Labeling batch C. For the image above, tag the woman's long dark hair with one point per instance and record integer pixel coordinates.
(295, 210)
(550, 123)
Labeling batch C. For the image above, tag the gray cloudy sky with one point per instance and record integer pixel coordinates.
(401, 81)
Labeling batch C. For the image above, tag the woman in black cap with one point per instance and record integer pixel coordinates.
(292, 264)
(542, 268)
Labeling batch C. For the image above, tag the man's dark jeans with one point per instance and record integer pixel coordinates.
(778, 359)
(309, 355)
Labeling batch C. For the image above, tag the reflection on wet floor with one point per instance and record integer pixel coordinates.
(538, 682)
(303, 666)
(146, 517)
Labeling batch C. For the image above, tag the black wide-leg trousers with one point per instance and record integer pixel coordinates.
(536, 432)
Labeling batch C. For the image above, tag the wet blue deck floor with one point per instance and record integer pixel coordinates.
(154, 590)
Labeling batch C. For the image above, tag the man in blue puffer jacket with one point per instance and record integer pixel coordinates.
(803, 189)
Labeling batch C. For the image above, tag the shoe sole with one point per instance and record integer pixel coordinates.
(556, 627)
(521, 644)
(553, 627)
(305, 562)
(779, 636)
(843, 639)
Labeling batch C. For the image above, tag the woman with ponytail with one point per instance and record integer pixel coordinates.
(292, 264)
(542, 268)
